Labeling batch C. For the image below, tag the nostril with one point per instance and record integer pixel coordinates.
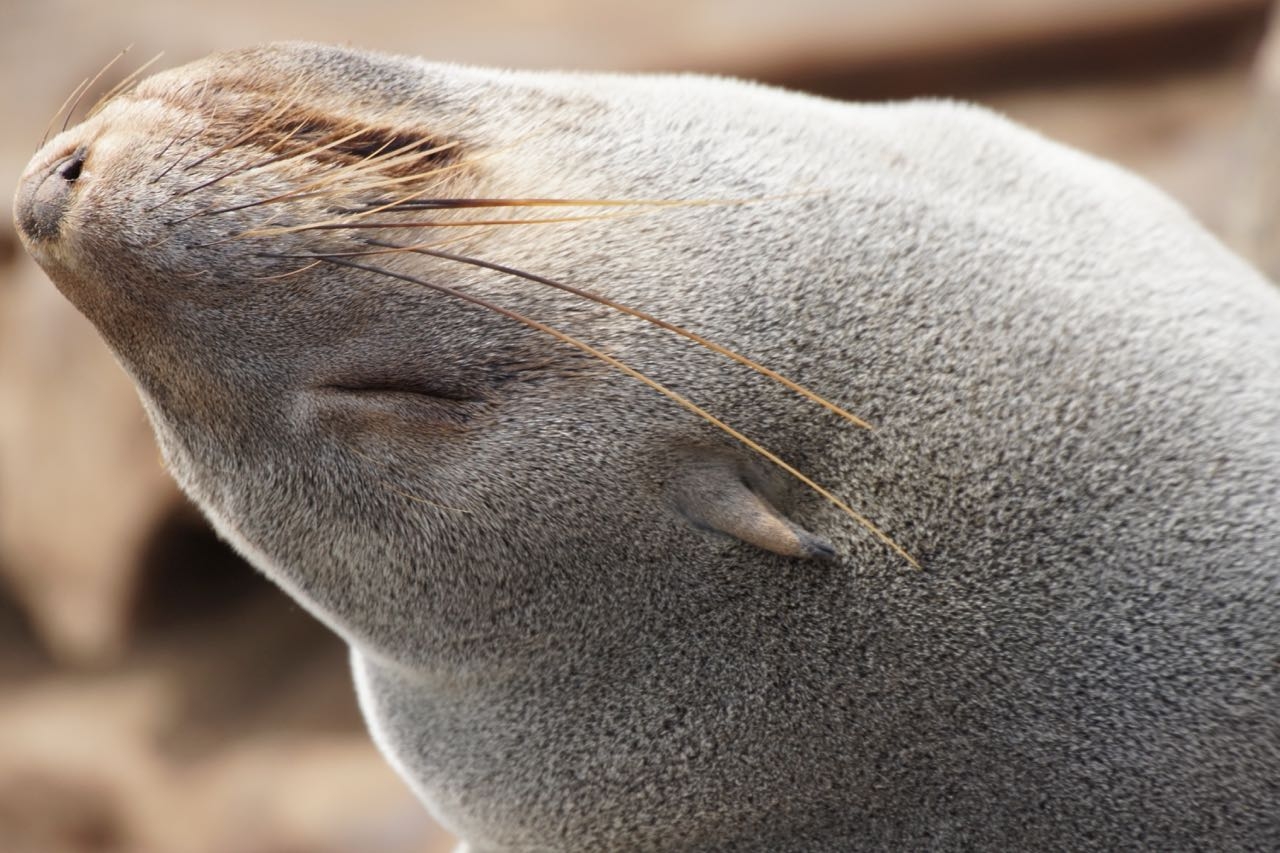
(69, 169)
(44, 197)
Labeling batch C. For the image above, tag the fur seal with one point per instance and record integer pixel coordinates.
(583, 618)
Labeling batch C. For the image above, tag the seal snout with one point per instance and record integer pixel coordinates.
(43, 198)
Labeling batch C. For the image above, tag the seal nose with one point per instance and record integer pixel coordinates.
(43, 198)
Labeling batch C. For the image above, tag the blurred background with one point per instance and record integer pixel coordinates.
(155, 693)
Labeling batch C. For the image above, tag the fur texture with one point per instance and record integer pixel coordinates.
(1076, 392)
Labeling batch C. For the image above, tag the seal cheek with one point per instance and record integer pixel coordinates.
(43, 199)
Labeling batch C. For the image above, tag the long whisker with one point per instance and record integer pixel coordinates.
(305, 191)
(455, 203)
(382, 181)
(204, 186)
(237, 169)
(95, 79)
(204, 90)
(385, 155)
(435, 244)
(261, 163)
(600, 299)
(421, 178)
(347, 175)
(321, 186)
(286, 103)
(674, 396)
(289, 274)
(385, 180)
(382, 157)
(344, 225)
(421, 500)
(418, 178)
(120, 87)
(176, 160)
(75, 94)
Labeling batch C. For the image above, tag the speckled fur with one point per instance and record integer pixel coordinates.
(1077, 394)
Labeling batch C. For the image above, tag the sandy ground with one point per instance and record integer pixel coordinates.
(155, 693)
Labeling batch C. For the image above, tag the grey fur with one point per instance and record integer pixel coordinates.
(1077, 398)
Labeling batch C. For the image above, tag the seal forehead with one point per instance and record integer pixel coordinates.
(281, 100)
(325, 78)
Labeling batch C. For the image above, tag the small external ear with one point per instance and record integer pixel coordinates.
(715, 493)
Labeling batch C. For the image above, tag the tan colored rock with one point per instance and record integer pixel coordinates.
(1254, 195)
(82, 489)
(1180, 132)
(83, 769)
(74, 774)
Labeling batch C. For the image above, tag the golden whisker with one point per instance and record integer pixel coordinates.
(75, 94)
(343, 225)
(89, 85)
(289, 274)
(286, 102)
(204, 88)
(452, 203)
(246, 168)
(303, 191)
(120, 87)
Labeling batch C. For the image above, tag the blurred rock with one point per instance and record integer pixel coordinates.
(328, 796)
(1179, 131)
(1253, 224)
(80, 772)
(42, 813)
(82, 489)
(74, 775)
(9, 246)
(235, 731)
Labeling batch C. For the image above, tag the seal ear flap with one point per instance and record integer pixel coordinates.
(716, 494)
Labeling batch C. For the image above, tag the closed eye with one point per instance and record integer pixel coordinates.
(70, 168)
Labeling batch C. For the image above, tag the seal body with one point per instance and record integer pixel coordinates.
(1075, 389)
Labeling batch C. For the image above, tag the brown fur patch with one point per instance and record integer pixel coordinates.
(330, 140)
